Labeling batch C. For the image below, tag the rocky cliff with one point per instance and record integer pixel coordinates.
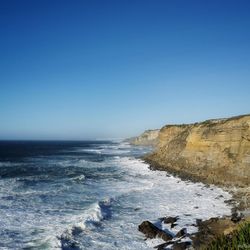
(213, 151)
(148, 138)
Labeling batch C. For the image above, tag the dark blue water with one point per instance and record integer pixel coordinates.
(88, 194)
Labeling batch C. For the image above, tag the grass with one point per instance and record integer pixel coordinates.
(238, 240)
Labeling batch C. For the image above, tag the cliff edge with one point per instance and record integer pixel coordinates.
(213, 151)
(148, 138)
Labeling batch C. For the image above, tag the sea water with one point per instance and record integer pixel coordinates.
(92, 195)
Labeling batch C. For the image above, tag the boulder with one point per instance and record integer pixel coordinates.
(181, 245)
(170, 220)
(236, 217)
(163, 245)
(176, 245)
(173, 225)
(181, 233)
(151, 231)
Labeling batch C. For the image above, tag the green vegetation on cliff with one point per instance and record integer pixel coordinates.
(239, 239)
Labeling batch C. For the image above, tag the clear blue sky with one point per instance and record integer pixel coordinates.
(97, 69)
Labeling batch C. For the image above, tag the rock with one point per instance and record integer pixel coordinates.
(181, 245)
(151, 231)
(163, 245)
(173, 225)
(170, 220)
(198, 221)
(230, 202)
(177, 245)
(220, 196)
(236, 217)
(193, 225)
(181, 233)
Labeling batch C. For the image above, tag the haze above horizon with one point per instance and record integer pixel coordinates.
(101, 69)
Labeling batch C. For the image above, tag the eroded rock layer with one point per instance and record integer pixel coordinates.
(214, 151)
(148, 138)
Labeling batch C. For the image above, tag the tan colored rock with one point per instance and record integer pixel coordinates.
(214, 151)
(149, 137)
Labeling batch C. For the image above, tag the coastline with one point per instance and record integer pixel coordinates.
(165, 228)
(215, 227)
(214, 152)
(241, 199)
(122, 193)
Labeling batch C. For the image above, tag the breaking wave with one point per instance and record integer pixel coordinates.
(55, 197)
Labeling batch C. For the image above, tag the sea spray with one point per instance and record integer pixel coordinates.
(93, 194)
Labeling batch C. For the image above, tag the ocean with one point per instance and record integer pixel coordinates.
(92, 195)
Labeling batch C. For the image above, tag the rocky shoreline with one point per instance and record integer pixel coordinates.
(213, 152)
(180, 240)
(241, 195)
(208, 231)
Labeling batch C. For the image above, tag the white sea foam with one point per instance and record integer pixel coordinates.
(97, 151)
(83, 161)
(107, 151)
(93, 214)
(78, 178)
(9, 164)
(151, 195)
(148, 195)
(137, 193)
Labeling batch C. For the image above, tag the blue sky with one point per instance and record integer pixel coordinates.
(100, 69)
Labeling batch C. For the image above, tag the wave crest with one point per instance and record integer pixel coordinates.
(93, 216)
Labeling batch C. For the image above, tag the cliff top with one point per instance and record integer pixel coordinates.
(207, 122)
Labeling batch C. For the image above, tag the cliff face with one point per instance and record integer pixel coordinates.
(149, 137)
(214, 151)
